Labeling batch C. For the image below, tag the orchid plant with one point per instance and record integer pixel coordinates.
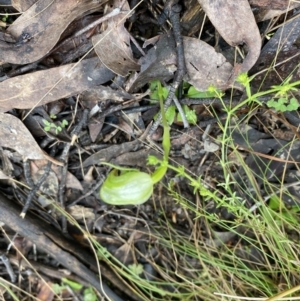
(126, 186)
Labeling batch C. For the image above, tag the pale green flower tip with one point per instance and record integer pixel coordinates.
(152, 160)
(131, 188)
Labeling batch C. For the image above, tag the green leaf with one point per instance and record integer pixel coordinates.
(275, 203)
(276, 104)
(89, 295)
(72, 284)
(57, 288)
(282, 101)
(46, 122)
(271, 103)
(170, 114)
(294, 104)
(189, 114)
(137, 269)
(154, 95)
(191, 117)
(64, 123)
(283, 104)
(158, 91)
(153, 85)
(5, 17)
(194, 93)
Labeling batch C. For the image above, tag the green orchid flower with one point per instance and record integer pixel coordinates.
(128, 188)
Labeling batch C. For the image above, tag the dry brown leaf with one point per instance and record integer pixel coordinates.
(113, 45)
(205, 66)
(38, 88)
(46, 292)
(22, 5)
(125, 252)
(44, 22)
(3, 176)
(49, 187)
(14, 134)
(268, 9)
(159, 63)
(95, 128)
(266, 14)
(192, 18)
(23, 245)
(71, 180)
(104, 93)
(272, 4)
(279, 58)
(79, 212)
(235, 22)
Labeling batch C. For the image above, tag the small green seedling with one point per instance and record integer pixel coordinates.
(277, 211)
(136, 268)
(159, 92)
(58, 128)
(4, 17)
(89, 295)
(281, 102)
(190, 115)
